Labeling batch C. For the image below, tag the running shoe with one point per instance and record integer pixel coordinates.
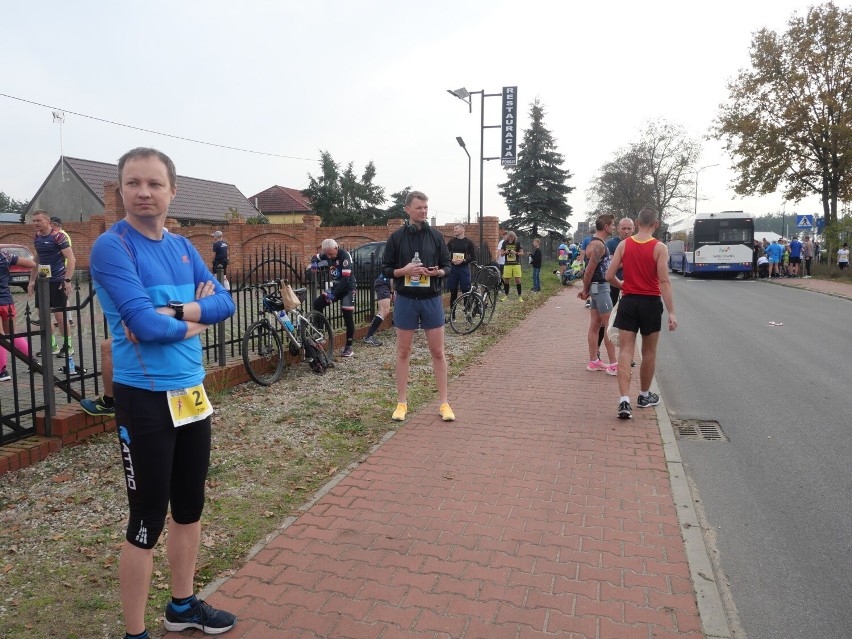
(347, 352)
(596, 365)
(646, 402)
(612, 369)
(399, 413)
(4, 375)
(97, 407)
(503, 298)
(200, 615)
(520, 299)
(66, 350)
(447, 413)
(588, 303)
(624, 411)
(372, 341)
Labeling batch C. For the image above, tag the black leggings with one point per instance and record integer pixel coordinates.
(162, 464)
(321, 303)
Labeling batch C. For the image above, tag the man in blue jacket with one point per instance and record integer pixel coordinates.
(158, 297)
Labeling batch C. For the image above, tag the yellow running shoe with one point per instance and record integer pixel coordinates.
(447, 413)
(399, 413)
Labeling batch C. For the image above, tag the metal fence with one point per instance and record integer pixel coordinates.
(41, 382)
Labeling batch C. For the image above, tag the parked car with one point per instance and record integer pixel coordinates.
(18, 275)
(367, 259)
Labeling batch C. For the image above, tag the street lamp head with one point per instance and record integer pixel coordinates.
(461, 94)
(461, 142)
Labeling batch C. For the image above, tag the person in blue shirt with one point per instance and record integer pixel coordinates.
(158, 296)
(795, 256)
(54, 258)
(775, 252)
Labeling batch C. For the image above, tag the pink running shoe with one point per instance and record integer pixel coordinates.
(612, 369)
(596, 365)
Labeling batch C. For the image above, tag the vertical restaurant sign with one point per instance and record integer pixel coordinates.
(509, 142)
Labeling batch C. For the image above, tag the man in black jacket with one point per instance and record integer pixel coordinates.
(462, 253)
(417, 283)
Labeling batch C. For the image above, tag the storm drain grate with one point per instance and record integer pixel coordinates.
(699, 430)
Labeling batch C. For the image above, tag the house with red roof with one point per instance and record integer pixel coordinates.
(282, 205)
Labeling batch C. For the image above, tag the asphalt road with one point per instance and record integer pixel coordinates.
(778, 496)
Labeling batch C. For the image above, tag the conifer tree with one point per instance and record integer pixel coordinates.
(536, 189)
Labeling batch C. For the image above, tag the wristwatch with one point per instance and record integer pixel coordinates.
(177, 307)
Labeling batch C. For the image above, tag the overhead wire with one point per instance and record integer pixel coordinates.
(168, 135)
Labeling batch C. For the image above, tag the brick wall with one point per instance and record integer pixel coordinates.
(243, 239)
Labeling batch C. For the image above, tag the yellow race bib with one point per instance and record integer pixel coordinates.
(189, 405)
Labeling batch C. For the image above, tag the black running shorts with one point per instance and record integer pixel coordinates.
(639, 313)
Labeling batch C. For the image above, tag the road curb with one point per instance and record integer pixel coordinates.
(714, 619)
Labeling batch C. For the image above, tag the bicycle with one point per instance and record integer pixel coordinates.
(476, 306)
(309, 336)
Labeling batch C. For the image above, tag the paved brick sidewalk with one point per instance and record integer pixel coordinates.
(536, 514)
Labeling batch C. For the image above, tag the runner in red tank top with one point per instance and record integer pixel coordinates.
(646, 280)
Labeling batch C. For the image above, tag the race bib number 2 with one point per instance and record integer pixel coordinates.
(189, 405)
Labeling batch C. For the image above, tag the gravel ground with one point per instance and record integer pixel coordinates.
(62, 520)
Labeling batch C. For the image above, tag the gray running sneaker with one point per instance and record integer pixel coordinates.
(372, 341)
(646, 402)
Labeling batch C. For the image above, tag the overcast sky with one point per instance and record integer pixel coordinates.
(368, 81)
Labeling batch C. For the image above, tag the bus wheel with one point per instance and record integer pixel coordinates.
(685, 273)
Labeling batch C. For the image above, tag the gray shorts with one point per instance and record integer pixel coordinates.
(601, 300)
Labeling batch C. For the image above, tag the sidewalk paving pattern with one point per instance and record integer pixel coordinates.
(536, 514)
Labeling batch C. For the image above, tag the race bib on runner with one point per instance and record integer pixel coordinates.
(422, 281)
(458, 256)
(189, 405)
(44, 269)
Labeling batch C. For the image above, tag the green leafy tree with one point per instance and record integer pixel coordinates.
(342, 198)
(11, 205)
(397, 208)
(788, 121)
(324, 190)
(536, 190)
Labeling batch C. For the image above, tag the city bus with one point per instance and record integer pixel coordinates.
(719, 243)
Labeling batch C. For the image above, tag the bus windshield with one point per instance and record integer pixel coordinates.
(721, 231)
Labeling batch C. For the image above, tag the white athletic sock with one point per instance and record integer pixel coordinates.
(644, 393)
(624, 398)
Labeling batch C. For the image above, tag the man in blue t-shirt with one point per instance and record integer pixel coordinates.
(774, 252)
(159, 297)
(55, 259)
(795, 256)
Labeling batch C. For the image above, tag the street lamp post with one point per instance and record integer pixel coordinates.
(466, 96)
(697, 171)
(464, 148)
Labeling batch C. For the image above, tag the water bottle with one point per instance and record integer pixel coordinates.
(415, 279)
(71, 367)
(285, 317)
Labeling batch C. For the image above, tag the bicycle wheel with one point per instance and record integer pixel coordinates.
(467, 313)
(263, 355)
(489, 303)
(321, 332)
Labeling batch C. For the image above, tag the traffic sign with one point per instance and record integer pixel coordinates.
(821, 223)
(805, 222)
